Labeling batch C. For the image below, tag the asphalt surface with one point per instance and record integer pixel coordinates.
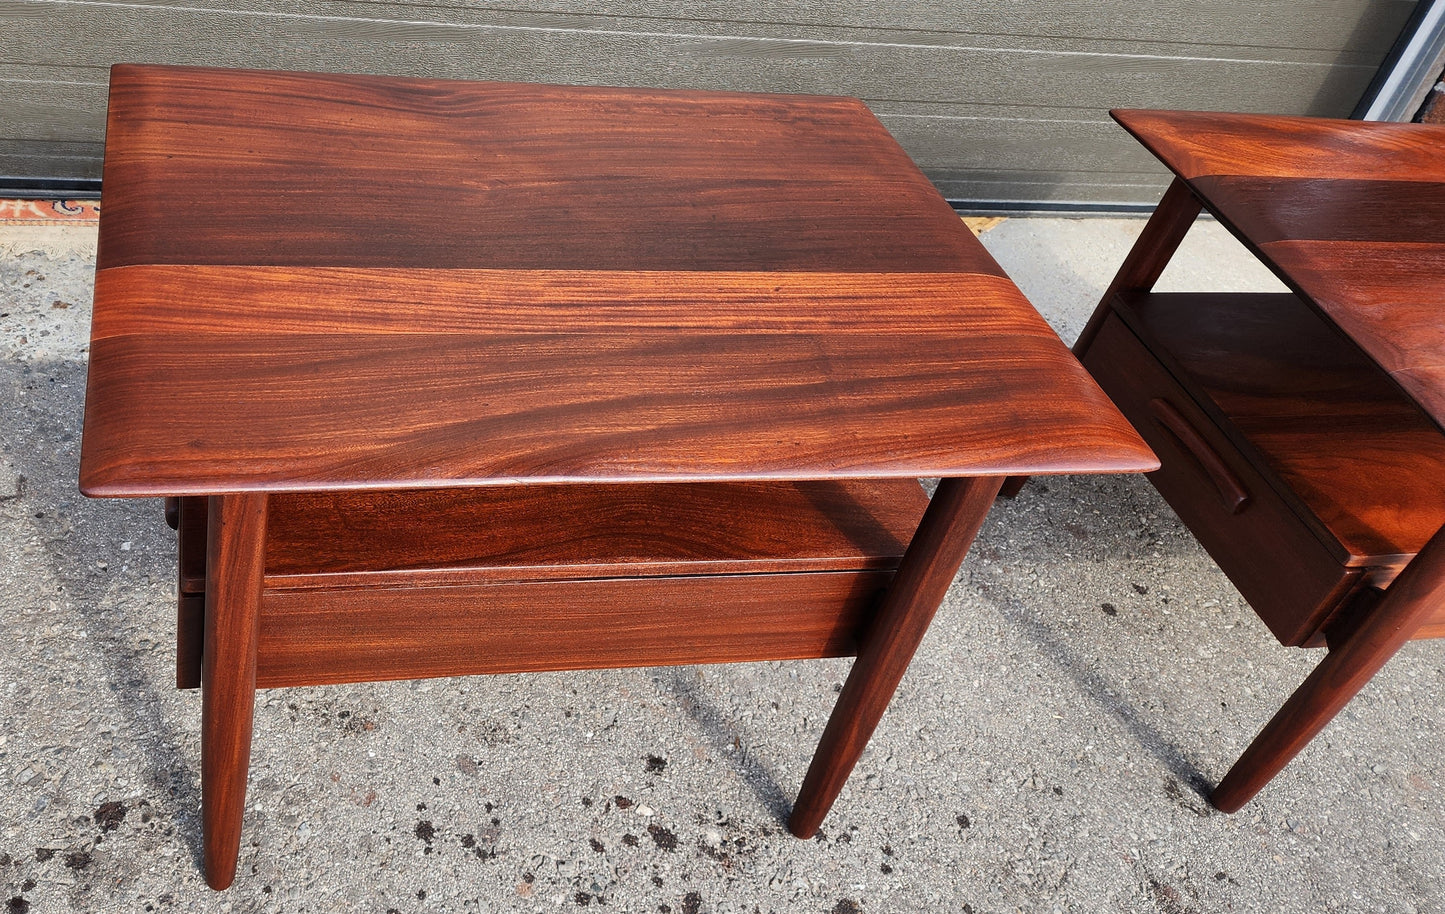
(1089, 675)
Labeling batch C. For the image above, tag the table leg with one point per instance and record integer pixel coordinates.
(1413, 597)
(1151, 253)
(235, 559)
(952, 520)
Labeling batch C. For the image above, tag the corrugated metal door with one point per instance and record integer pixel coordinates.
(997, 100)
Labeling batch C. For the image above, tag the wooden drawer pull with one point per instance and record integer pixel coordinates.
(1231, 491)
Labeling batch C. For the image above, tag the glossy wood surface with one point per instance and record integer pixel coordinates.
(1413, 601)
(517, 533)
(235, 564)
(370, 379)
(333, 635)
(1349, 213)
(1151, 253)
(953, 519)
(677, 359)
(1387, 298)
(1357, 459)
(647, 286)
(309, 169)
(1195, 144)
(1304, 579)
(1143, 266)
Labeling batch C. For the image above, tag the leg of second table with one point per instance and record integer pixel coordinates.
(952, 520)
(235, 563)
(1151, 253)
(1416, 595)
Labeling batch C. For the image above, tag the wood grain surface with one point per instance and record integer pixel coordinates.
(1348, 213)
(406, 286)
(370, 379)
(1412, 602)
(1386, 297)
(525, 532)
(646, 286)
(331, 635)
(1195, 144)
(235, 563)
(305, 169)
(1304, 579)
(1358, 459)
(955, 514)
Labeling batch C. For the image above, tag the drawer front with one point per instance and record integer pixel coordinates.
(324, 635)
(1277, 563)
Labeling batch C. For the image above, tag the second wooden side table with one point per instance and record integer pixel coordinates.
(1300, 433)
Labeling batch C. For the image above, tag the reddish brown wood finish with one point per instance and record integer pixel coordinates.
(520, 533)
(190, 639)
(1348, 214)
(192, 533)
(953, 519)
(1294, 596)
(1414, 599)
(1197, 144)
(1356, 460)
(1432, 628)
(1152, 251)
(758, 286)
(1387, 298)
(529, 578)
(344, 294)
(235, 564)
(476, 377)
(1162, 234)
(334, 635)
(310, 169)
(192, 530)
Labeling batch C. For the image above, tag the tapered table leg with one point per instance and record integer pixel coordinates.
(1151, 253)
(1413, 597)
(933, 557)
(235, 558)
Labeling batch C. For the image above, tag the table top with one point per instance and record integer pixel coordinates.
(312, 281)
(1350, 214)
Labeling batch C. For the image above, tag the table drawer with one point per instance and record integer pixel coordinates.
(1278, 564)
(334, 635)
(416, 583)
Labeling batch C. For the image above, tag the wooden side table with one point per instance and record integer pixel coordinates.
(1300, 433)
(451, 378)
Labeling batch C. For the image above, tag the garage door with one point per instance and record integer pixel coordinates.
(999, 101)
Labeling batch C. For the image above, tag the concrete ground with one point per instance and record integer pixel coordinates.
(1089, 674)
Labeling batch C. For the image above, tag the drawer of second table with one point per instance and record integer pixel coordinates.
(1270, 554)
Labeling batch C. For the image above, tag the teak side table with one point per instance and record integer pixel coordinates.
(449, 378)
(1301, 432)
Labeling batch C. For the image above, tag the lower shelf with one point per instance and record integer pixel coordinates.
(403, 585)
(1302, 469)
(313, 637)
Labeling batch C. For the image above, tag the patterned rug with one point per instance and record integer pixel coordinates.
(33, 212)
